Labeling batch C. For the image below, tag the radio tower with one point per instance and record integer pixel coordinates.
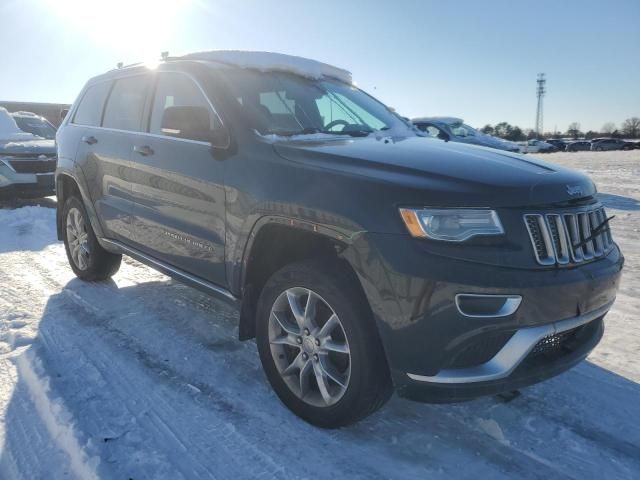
(540, 91)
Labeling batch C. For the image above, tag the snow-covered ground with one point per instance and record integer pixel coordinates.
(143, 378)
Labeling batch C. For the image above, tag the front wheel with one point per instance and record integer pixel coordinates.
(318, 345)
(88, 260)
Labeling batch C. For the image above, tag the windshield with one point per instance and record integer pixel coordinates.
(36, 126)
(286, 104)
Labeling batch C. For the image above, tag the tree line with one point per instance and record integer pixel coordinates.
(630, 128)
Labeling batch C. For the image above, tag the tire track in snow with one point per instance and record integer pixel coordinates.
(536, 438)
(104, 319)
(500, 453)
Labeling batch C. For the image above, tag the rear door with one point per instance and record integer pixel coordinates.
(178, 186)
(105, 151)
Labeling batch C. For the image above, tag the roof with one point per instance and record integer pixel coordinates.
(447, 120)
(270, 61)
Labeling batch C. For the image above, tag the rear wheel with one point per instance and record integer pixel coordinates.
(88, 260)
(318, 347)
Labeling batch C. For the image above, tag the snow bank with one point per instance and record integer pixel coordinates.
(279, 62)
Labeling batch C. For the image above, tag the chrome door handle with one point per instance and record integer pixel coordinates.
(144, 150)
(90, 139)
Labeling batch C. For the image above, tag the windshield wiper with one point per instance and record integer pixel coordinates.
(313, 130)
(595, 232)
(352, 133)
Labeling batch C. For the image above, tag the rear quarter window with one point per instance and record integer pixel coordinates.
(89, 110)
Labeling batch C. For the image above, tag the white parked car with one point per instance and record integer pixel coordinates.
(537, 146)
(454, 129)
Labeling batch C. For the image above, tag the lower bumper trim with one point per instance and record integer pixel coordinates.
(512, 354)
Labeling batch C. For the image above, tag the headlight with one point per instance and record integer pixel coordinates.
(451, 224)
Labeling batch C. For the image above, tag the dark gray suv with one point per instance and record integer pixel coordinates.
(362, 256)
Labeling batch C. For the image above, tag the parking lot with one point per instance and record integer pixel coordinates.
(142, 377)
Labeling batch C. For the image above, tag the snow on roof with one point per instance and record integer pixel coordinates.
(269, 61)
(7, 123)
(447, 120)
(9, 130)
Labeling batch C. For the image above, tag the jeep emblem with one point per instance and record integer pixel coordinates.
(574, 190)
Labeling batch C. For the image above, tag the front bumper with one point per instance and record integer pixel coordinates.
(437, 353)
(27, 185)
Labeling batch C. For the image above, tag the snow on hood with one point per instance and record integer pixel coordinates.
(269, 61)
(396, 132)
(307, 137)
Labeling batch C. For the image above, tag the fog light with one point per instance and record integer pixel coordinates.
(487, 305)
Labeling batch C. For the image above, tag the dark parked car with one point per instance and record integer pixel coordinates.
(579, 145)
(559, 144)
(27, 159)
(362, 256)
(602, 144)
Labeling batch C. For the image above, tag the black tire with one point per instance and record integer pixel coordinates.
(370, 384)
(100, 264)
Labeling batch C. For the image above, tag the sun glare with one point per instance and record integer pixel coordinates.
(141, 28)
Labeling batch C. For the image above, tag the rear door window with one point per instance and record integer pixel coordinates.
(89, 110)
(125, 105)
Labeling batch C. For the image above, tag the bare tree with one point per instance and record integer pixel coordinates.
(608, 128)
(488, 129)
(631, 127)
(574, 130)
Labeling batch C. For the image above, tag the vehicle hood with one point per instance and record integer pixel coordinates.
(30, 146)
(444, 173)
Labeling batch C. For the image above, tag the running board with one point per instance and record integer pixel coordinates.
(174, 272)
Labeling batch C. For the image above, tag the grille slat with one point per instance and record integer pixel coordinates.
(598, 245)
(571, 223)
(555, 236)
(34, 166)
(559, 238)
(540, 239)
(585, 232)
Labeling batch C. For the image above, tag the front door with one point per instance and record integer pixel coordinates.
(178, 189)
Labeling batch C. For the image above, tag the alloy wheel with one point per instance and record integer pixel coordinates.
(78, 238)
(309, 347)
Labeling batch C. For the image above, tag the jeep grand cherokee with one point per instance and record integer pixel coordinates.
(363, 257)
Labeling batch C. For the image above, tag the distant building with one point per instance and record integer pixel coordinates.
(50, 111)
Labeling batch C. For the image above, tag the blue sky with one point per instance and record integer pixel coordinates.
(473, 59)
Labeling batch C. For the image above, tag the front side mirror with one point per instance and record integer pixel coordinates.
(220, 138)
(442, 135)
(63, 113)
(194, 123)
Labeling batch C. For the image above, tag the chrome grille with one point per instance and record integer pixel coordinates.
(555, 236)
